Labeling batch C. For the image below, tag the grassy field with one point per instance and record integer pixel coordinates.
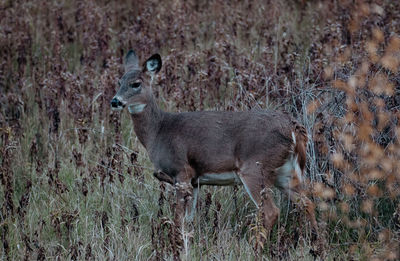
(76, 184)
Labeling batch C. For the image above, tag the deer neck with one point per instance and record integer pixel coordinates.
(147, 121)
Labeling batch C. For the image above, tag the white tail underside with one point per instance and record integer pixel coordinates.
(290, 168)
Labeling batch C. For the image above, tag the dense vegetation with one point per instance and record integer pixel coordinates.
(77, 184)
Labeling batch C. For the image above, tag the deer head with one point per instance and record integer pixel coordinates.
(135, 84)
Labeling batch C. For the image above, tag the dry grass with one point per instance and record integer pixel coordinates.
(76, 184)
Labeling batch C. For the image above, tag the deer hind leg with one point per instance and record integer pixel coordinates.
(288, 180)
(254, 184)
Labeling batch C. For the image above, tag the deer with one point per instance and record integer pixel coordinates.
(258, 148)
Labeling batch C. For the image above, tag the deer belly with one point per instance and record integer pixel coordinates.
(219, 179)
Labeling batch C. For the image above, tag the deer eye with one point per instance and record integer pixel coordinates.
(135, 85)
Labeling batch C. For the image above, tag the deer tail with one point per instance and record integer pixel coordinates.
(290, 174)
(300, 139)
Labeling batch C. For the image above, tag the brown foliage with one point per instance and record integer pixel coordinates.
(332, 64)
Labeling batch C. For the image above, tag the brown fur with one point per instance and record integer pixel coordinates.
(301, 145)
(186, 146)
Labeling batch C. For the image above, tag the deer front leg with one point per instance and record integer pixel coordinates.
(163, 177)
(190, 216)
(184, 190)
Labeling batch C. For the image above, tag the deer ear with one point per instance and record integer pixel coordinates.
(153, 64)
(131, 61)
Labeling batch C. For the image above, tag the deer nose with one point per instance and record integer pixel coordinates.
(115, 103)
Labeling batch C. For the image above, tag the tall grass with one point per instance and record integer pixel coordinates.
(76, 183)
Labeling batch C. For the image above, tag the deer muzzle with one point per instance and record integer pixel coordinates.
(116, 104)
